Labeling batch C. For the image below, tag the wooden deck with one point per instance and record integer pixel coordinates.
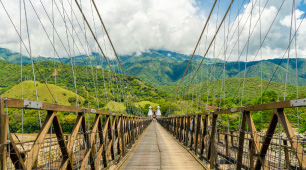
(157, 149)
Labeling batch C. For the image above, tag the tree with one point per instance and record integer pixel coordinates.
(145, 109)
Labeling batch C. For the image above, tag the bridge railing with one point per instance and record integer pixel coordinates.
(106, 142)
(277, 147)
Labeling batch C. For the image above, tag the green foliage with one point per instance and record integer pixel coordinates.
(67, 121)
(149, 70)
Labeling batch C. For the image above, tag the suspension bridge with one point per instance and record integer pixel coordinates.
(116, 137)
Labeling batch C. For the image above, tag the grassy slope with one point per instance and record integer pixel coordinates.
(43, 93)
(143, 103)
(115, 107)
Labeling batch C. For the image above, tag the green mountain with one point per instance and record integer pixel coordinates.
(167, 68)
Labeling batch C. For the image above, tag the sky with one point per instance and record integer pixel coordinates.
(137, 26)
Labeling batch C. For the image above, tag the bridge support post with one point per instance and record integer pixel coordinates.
(241, 142)
(203, 133)
(3, 135)
(192, 128)
(251, 153)
(187, 128)
(181, 129)
(296, 146)
(197, 129)
(226, 144)
(122, 136)
(212, 142)
(287, 160)
(87, 142)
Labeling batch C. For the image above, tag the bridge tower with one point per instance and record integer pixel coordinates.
(158, 113)
(150, 113)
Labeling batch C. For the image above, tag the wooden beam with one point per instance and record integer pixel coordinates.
(94, 129)
(267, 141)
(181, 129)
(287, 159)
(74, 133)
(254, 134)
(202, 134)
(241, 141)
(33, 154)
(20, 104)
(226, 144)
(212, 142)
(197, 129)
(62, 144)
(85, 161)
(104, 145)
(99, 157)
(87, 143)
(122, 136)
(251, 154)
(296, 146)
(4, 119)
(16, 158)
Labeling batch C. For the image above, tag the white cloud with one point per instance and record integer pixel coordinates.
(137, 26)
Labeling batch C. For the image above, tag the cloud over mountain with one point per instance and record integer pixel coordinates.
(137, 26)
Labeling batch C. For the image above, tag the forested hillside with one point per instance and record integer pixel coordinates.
(167, 68)
(110, 97)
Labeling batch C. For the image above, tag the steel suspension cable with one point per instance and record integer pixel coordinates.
(212, 41)
(205, 25)
(102, 23)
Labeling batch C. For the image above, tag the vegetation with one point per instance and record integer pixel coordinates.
(167, 68)
(153, 73)
(45, 93)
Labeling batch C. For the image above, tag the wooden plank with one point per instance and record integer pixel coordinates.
(72, 139)
(15, 155)
(251, 154)
(117, 131)
(75, 131)
(108, 150)
(181, 129)
(254, 134)
(87, 143)
(212, 142)
(232, 110)
(266, 142)
(94, 129)
(122, 136)
(287, 159)
(4, 119)
(226, 144)
(197, 129)
(66, 164)
(19, 103)
(192, 121)
(85, 161)
(107, 120)
(270, 106)
(241, 141)
(99, 157)
(296, 146)
(104, 145)
(114, 130)
(202, 134)
(110, 137)
(206, 136)
(187, 130)
(33, 154)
